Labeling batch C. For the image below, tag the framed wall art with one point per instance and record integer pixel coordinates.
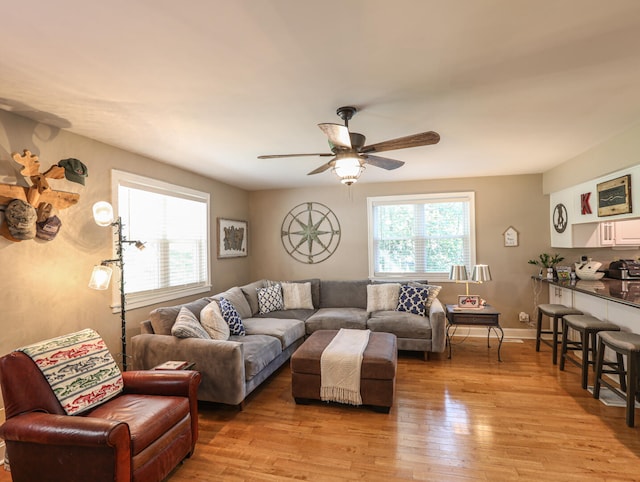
(233, 236)
(614, 196)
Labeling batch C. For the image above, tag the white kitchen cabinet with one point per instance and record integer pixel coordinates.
(606, 234)
(560, 296)
(626, 233)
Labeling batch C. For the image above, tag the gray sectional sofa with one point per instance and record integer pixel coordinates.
(232, 368)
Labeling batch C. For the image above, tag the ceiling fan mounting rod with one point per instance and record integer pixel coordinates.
(346, 113)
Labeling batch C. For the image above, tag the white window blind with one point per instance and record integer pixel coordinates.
(173, 222)
(420, 236)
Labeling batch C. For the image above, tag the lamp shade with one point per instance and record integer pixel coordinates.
(458, 273)
(103, 213)
(481, 272)
(100, 277)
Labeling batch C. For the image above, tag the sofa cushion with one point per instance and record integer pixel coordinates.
(147, 416)
(258, 352)
(232, 317)
(250, 292)
(302, 315)
(270, 299)
(162, 319)
(237, 298)
(400, 323)
(213, 322)
(413, 299)
(285, 330)
(336, 318)
(382, 297)
(343, 294)
(188, 326)
(297, 296)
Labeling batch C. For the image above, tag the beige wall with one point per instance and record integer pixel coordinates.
(622, 150)
(500, 202)
(43, 285)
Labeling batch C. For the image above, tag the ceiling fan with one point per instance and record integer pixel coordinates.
(350, 154)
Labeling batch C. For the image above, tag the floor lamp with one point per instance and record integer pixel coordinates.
(101, 275)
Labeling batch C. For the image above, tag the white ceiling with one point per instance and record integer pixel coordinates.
(511, 86)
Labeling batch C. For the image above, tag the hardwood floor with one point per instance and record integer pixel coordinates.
(469, 418)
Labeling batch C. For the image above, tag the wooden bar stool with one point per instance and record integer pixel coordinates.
(555, 312)
(587, 327)
(622, 343)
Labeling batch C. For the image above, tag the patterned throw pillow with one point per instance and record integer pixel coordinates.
(81, 371)
(433, 293)
(413, 299)
(270, 299)
(188, 326)
(231, 316)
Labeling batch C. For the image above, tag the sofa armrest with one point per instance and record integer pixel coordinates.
(221, 363)
(65, 445)
(437, 319)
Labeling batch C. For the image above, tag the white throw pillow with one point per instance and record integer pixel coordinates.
(382, 297)
(297, 296)
(188, 326)
(213, 322)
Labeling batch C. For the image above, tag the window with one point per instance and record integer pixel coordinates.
(173, 222)
(420, 236)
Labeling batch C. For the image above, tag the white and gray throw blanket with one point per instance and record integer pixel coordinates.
(340, 367)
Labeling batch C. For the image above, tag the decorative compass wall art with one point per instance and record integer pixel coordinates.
(310, 232)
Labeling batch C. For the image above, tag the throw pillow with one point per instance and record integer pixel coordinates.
(213, 322)
(382, 297)
(231, 316)
(188, 326)
(270, 299)
(413, 299)
(79, 368)
(297, 296)
(433, 293)
(239, 301)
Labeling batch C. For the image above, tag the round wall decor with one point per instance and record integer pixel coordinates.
(560, 218)
(310, 232)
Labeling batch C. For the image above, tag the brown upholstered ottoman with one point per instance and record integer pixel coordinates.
(377, 377)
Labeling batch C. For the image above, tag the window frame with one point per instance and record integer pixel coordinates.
(466, 196)
(136, 181)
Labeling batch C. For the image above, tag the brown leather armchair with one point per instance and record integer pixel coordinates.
(140, 435)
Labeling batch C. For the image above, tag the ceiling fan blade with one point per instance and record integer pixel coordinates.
(383, 162)
(338, 134)
(416, 140)
(322, 168)
(276, 156)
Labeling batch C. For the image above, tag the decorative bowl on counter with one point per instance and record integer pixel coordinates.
(589, 271)
(590, 276)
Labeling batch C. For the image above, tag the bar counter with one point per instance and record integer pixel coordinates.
(626, 292)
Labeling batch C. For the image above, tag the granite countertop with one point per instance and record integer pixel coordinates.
(622, 291)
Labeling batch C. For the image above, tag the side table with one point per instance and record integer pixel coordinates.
(175, 365)
(486, 316)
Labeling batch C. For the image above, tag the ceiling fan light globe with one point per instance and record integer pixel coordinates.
(348, 169)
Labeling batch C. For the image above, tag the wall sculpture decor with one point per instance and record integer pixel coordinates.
(310, 232)
(30, 210)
